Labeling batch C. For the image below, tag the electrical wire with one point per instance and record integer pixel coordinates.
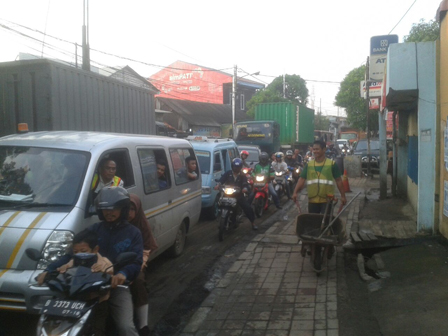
(402, 17)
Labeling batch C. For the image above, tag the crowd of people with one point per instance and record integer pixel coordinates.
(123, 225)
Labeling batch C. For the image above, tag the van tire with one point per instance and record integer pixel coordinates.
(179, 243)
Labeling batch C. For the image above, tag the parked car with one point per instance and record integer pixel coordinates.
(361, 150)
(254, 154)
(47, 196)
(214, 157)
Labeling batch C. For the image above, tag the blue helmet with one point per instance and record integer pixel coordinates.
(237, 163)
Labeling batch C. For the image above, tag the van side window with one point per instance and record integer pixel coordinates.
(185, 165)
(155, 170)
(218, 164)
(123, 169)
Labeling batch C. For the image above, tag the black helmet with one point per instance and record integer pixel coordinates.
(264, 158)
(113, 198)
(237, 163)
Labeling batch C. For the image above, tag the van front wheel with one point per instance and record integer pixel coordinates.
(179, 243)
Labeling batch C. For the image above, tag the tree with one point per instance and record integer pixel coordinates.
(349, 98)
(423, 32)
(296, 91)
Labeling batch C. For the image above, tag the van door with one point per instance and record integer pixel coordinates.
(157, 193)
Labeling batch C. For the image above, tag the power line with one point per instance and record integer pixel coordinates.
(402, 17)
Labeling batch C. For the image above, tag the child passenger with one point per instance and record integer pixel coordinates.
(86, 241)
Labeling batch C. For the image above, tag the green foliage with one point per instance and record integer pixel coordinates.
(321, 122)
(348, 97)
(423, 32)
(296, 91)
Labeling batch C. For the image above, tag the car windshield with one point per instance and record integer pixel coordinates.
(40, 176)
(362, 145)
(204, 161)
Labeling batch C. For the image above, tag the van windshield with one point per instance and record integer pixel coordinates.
(204, 161)
(40, 176)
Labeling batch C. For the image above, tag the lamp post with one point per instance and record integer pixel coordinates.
(234, 84)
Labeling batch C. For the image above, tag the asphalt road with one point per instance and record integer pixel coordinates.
(176, 286)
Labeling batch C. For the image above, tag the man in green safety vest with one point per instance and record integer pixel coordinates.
(106, 177)
(319, 175)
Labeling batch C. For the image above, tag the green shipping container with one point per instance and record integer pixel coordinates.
(296, 121)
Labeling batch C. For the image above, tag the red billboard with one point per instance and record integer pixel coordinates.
(186, 81)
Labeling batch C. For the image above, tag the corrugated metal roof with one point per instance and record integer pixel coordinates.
(203, 114)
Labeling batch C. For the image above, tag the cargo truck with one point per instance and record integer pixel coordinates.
(51, 96)
(278, 126)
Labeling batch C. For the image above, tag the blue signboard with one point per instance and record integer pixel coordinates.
(380, 44)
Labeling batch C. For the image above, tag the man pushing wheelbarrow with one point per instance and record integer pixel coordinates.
(317, 230)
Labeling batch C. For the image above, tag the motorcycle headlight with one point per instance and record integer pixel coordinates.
(278, 173)
(206, 190)
(229, 191)
(57, 245)
(245, 170)
(297, 170)
(260, 178)
(343, 151)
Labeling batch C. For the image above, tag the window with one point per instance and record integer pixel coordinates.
(217, 165)
(204, 161)
(123, 163)
(184, 171)
(242, 102)
(155, 170)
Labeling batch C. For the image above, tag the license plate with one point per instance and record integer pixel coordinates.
(64, 308)
(259, 184)
(228, 200)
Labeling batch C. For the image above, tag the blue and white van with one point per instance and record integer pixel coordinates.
(215, 157)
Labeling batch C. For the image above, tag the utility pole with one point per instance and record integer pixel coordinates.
(85, 38)
(235, 70)
(368, 119)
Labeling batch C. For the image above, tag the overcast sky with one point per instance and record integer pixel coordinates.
(318, 40)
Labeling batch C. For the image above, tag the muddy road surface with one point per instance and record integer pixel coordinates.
(177, 286)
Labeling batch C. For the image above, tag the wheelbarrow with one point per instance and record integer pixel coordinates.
(319, 235)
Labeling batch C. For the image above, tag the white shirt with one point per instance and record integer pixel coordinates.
(280, 166)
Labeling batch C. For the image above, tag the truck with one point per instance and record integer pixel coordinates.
(50, 96)
(353, 135)
(278, 126)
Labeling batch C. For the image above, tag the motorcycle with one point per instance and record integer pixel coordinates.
(262, 198)
(248, 172)
(77, 292)
(294, 175)
(230, 211)
(280, 184)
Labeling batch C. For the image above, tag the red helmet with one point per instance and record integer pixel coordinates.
(245, 153)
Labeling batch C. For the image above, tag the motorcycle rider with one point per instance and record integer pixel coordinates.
(116, 235)
(264, 168)
(236, 178)
(244, 155)
(280, 166)
(292, 161)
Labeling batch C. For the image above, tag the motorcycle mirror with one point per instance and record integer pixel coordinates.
(33, 254)
(124, 259)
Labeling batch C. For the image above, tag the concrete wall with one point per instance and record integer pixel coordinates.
(411, 90)
(428, 135)
(442, 102)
